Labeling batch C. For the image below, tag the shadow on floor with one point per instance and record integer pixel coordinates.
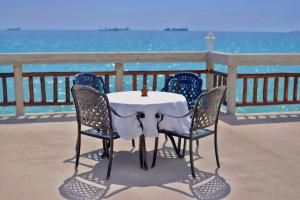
(38, 118)
(259, 118)
(126, 174)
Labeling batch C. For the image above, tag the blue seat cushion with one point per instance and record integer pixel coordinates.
(195, 134)
(99, 134)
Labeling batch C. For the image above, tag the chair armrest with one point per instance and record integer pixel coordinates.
(138, 117)
(158, 115)
(138, 114)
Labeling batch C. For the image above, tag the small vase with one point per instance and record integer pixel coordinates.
(144, 91)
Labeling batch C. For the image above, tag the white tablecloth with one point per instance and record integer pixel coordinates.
(126, 103)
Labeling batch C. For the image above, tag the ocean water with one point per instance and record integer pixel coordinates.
(133, 41)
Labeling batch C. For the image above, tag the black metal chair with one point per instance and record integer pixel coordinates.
(204, 115)
(93, 110)
(91, 80)
(187, 84)
(96, 82)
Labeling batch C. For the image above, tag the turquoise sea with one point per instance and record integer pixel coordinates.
(26, 41)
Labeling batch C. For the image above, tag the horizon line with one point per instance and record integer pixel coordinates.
(162, 30)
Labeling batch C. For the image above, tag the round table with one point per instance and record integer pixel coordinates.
(129, 102)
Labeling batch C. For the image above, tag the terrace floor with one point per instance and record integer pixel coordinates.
(260, 159)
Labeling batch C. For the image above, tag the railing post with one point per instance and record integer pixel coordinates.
(119, 77)
(18, 85)
(231, 89)
(209, 39)
(209, 75)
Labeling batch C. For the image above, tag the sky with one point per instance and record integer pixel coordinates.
(201, 15)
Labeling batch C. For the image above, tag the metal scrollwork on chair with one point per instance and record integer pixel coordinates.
(186, 84)
(93, 110)
(91, 80)
(100, 86)
(94, 81)
(204, 115)
(207, 109)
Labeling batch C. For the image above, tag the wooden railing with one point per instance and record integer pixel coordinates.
(17, 60)
(55, 76)
(67, 78)
(4, 77)
(267, 99)
(219, 79)
(233, 61)
(213, 77)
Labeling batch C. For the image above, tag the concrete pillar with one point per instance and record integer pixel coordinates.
(18, 86)
(209, 39)
(231, 89)
(119, 77)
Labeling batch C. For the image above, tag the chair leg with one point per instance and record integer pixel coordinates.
(183, 149)
(111, 151)
(141, 152)
(216, 149)
(166, 137)
(133, 143)
(107, 148)
(192, 159)
(155, 152)
(76, 147)
(104, 149)
(179, 144)
(174, 146)
(197, 142)
(78, 150)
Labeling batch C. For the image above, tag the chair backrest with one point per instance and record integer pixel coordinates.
(92, 107)
(101, 86)
(186, 84)
(91, 80)
(207, 108)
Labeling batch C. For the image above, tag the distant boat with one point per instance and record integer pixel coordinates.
(13, 29)
(294, 31)
(176, 29)
(115, 29)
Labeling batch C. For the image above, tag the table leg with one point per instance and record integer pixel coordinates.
(142, 152)
(145, 153)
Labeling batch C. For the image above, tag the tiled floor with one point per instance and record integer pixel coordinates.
(260, 159)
